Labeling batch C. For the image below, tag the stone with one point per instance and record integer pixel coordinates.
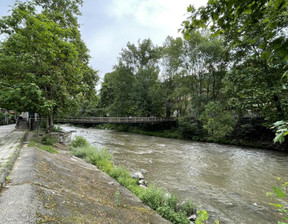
(192, 218)
(137, 175)
(143, 182)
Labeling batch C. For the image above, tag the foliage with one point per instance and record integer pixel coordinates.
(117, 198)
(153, 197)
(237, 19)
(79, 141)
(44, 58)
(202, 217)
(255, 34)
(281, 128)
(32, 144)
(280, 193)
(48, 148)
(188, 207)
(48, 140)
(217, 121)
(132, 89)
(174, 217)
(190, 128)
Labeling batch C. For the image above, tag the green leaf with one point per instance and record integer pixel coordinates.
(276, 205)
(280, 194)
(187, 36)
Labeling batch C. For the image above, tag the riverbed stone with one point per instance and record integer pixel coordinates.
(192, 218)
(143, 182)
(137, 175)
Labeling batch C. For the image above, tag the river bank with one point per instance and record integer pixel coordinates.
(263, 139)
(60, 188)
(229, 182)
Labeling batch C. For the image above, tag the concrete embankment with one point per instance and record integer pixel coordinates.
(10, 140)
(60, 188)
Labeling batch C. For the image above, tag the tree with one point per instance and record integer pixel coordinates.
(256, 33)
(116, 93)
(217, 121)
(142, 62)
(176, 91)
(43, 68)
(237, 18)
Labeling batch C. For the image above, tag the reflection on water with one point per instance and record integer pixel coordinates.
(230, 182)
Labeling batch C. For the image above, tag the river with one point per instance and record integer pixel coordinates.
(228, 181)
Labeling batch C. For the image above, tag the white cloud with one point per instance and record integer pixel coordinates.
(155, 14)
(108, 25)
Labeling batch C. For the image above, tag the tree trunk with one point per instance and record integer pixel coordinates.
(47, 125)
(51, 120)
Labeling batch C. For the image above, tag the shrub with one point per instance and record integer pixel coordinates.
(174, 217)
(153, 197)
(32, 144)
(190, 128)
(100, 158)
(280, 192)
(48, 148)
(217, 121)
(119, 172)
(79, 142)
(188, 207)
(81, 152)
(48, 140)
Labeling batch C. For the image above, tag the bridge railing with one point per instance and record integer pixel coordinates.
(114, 120)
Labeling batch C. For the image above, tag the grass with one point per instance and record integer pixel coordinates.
(32, 144)
(164, 203)
(48, 148)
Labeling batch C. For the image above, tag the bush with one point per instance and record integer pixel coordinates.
(100, 158)
(174, 217)
(119, 172)
(190, 128)
(153, 197)
(32, 144)
(188, 207)
(48, 148)
(48, 140)
(79, 142)
(217, 121)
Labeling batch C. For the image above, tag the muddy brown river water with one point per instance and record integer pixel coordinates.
(228, 181)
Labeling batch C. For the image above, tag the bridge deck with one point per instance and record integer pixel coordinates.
(114, 120)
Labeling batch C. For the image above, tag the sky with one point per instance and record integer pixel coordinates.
(108, 25)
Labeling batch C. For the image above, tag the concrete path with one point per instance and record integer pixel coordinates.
(18, 200)
(6, 129)
(10, 140)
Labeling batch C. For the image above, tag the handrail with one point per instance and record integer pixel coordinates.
(114, 120)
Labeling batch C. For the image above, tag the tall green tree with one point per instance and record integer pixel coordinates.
(43, 69)
(237, 19)
(116, 95)
(255, 33)
(142, 62)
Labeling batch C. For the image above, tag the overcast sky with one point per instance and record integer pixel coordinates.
(108, 25)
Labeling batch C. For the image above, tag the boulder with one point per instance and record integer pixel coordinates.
(137, 175)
